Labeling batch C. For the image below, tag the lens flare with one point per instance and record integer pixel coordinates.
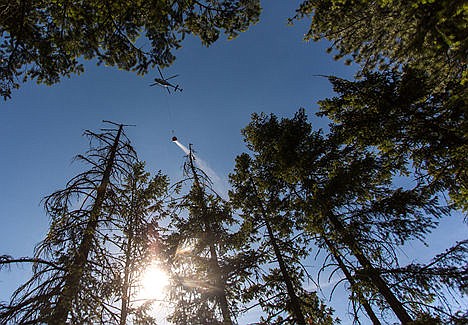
(185, 248)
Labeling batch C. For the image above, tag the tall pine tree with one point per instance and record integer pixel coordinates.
(346, 196)
(76, 278)
(204, 266)
(269, 225)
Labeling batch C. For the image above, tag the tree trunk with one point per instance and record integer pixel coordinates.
(128, 263)
(73, 277)
(220, 286)
(375, 277)
(126, 283)
(362, 300)
(219, 281)
(294, 300)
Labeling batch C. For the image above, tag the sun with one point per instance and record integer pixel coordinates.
(153, 284)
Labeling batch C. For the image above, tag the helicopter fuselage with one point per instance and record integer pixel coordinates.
(163, 82)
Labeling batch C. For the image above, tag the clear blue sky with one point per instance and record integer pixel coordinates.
(267, 69)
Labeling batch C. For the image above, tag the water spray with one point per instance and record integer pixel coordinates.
(181, 146)
(219, 184)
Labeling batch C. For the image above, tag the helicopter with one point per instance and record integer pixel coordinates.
(163, 82)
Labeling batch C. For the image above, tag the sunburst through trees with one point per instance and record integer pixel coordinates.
(126, 248)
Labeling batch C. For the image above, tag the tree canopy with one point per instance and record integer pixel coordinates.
(200, 255)
(410, 99)
(45, 40)
(429, 35)
(345, 197)
(401, 116)
(97, 241)
(279, 277)
(298, 190)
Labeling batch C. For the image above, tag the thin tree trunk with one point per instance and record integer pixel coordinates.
(126, 283)
(128, 261)
(377, 280)
(295, 304)
(216, 270)
(72, 279)
(362, 300)
(220, 286)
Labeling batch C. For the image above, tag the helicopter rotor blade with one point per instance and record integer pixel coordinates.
(172, 77)
(160, 73)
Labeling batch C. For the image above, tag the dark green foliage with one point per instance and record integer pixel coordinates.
(412, 127)
(415, 109)
(429, 35)
(344, 194)
(45, 40)
(269, 224)
(206, 270)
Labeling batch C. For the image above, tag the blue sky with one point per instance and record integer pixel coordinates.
(267, 69)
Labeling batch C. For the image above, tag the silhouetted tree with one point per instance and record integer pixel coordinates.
(131, 239)
(270, 226)
(415, 108)
(205, 268)
(345, 195)
(88, 221)
(425, 133)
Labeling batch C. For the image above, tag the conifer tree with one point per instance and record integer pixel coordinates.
(76, 276)
(140, 204)
(411, 103)
(269, 226)
(357, 297)
(400, 115)
(345, 195)
(200, 251)
(388, 34)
